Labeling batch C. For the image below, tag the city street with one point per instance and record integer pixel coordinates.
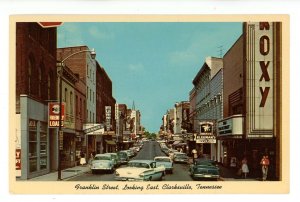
(148, 152)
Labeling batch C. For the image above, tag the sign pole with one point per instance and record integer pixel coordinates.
(59, 124)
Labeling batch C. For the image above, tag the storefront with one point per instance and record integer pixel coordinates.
(35, 156)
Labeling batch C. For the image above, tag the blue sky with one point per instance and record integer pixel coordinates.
(152, 64)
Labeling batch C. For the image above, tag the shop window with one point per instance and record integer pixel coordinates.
(43, 146)
(32, 143)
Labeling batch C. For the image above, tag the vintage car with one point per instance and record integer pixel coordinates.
(180, 158)
(123, 157)
(140, 170)
(164, 161)
(204, 169)
(116, 160)
(102, 162)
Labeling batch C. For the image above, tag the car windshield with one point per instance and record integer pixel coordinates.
(138, 165)
(102, 158)
(122, 154)
(162, 160)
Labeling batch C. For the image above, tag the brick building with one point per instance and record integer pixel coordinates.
(36, 84)
(83, 64)
(104, 98)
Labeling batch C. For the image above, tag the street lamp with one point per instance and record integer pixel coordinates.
(60, 132)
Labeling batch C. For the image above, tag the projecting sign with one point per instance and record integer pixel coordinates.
(206, 133)
(108, 116)
(53, 114)
(260, 71)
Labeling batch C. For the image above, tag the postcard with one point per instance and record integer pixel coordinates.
(149, 104)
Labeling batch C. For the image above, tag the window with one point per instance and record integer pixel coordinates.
(40, 81)
(32, 142)
(76, 105)
(66, 95)
(43, 145)
(71, 103)
(87, 92)
(29, 76)
(87, 70)
(49, 86)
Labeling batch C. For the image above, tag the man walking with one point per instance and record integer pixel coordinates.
(264, 167)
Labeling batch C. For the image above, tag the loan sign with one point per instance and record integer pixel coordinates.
(53, 114)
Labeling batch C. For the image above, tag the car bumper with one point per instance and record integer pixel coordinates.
(128, 179)
(101, 168)
(206, 176)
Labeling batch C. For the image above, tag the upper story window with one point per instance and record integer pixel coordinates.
(71, 102)
(40, 81)
(29, 76)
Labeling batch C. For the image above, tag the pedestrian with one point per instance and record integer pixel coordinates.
(245, 169)
(195, 156)
(82, 158)
(265, 162)
(91, 158)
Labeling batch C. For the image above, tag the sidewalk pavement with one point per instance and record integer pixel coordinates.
(230, 174)
(66, 174)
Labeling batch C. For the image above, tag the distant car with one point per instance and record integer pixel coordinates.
(180, 157)
(102, 162)
(204, 169)
(115, 158)
(140, 170)
(123, 157)
(164, 161)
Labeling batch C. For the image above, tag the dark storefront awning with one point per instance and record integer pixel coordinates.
(110, 142)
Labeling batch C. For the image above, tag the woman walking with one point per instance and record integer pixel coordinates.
(245, 169)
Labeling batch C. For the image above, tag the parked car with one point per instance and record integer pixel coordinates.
(123, 157)
(164, 161)
(102, 162)
(115, 158)
(140, 170)
(204, 169)
(129, 152)
(180, 157)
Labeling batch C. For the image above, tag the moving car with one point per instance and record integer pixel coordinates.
(115, 158)
(164, 161)
(140, 170)
(204, 169)
(102, 162)
(180, 157)
(123, 157)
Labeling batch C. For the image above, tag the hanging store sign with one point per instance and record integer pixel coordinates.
(18, 159)
(108, 116)
(206, 133)
(53, 114)
(206, 139)
(206, 128)
(260, 79)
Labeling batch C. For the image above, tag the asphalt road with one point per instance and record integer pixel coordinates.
(150, 150)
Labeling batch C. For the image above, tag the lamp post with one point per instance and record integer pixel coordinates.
(60, 131)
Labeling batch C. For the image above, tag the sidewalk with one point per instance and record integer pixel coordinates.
(65, 174)
(230, 174)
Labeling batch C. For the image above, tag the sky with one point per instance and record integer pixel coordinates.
(151, 64)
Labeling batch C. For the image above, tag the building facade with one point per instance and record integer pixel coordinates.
(251, 125)
(209, 108)
(35, 86)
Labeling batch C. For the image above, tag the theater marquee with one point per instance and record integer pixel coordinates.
(260, 79)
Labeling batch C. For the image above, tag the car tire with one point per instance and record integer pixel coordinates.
(171, 171)
(93, 171)
(150, 178)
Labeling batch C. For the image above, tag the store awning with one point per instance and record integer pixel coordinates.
(110, 142)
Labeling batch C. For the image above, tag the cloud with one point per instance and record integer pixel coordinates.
(95, 32)
(66, 35)
(136, 67)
